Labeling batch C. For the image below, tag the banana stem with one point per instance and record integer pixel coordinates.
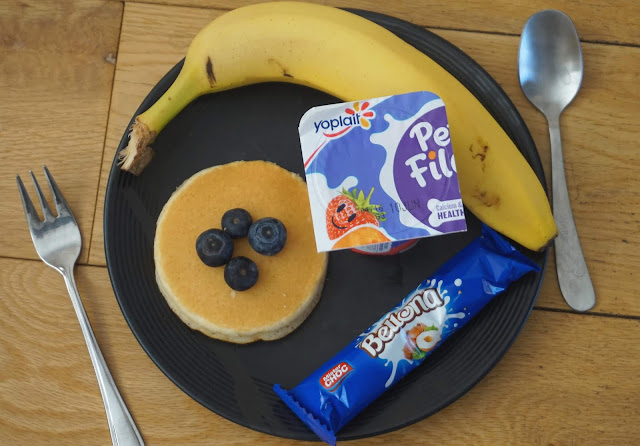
(137, 154)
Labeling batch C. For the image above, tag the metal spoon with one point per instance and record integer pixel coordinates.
(550, 71)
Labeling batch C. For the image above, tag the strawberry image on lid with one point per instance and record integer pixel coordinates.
(351, 216)
(351, 209)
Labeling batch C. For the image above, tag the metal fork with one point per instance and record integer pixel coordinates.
(58, 241)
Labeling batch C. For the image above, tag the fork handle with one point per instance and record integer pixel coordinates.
(123, 430)
(573, 275)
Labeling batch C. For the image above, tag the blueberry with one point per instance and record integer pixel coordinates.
(214, 247)
(267, 236)
(236, 222)
(241, 273)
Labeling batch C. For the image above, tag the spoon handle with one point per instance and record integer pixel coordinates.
(573, 276)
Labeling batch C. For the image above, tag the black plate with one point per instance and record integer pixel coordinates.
(235, 381)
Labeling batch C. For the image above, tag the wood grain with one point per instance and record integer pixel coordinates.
(599, 130)
(617, 22)
(599, 136)
(153, 39)
(568, 379)
(55, 86)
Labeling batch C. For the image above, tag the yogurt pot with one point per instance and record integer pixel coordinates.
(380, 173)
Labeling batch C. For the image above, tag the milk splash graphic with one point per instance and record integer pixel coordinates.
(393, 353)
(389, 139)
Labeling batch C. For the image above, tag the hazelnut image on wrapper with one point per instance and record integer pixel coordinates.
(427, 340)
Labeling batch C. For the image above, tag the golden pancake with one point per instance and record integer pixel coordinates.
(289, 283)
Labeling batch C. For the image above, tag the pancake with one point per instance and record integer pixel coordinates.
(289, 283)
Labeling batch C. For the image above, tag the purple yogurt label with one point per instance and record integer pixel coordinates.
(380, 171)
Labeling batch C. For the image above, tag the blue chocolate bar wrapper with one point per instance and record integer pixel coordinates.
(398, 343)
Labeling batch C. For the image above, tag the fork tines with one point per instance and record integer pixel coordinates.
(32, 216)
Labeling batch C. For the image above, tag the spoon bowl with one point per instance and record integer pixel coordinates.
(550, 61)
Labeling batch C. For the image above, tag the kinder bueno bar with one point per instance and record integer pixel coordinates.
(380, 173)
(405, 336)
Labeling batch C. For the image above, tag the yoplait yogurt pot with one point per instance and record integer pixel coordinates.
(380, 173)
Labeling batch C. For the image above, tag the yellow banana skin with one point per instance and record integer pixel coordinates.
(352, 58)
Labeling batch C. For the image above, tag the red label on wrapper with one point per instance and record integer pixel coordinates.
(332, 379)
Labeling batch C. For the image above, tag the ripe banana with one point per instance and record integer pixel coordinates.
(304, 43)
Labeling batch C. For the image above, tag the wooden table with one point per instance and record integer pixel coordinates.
(73, 72)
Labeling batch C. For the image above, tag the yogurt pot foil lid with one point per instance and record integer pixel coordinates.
(380, 172)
